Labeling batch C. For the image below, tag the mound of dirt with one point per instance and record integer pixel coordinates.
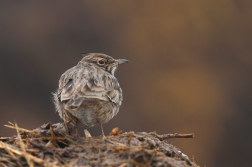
(50, 145)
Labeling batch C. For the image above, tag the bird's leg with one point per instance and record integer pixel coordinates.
(76, 131)
(71, 126)
(102, 130)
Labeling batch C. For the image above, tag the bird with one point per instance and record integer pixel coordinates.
(89, 94)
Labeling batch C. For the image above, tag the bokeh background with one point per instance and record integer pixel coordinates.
(190, 69)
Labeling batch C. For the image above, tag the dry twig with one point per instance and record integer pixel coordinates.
(175, 135)
(12, 126)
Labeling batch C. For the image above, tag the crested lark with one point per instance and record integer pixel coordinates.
(89, 93)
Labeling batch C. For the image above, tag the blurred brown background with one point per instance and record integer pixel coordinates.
(190, 68)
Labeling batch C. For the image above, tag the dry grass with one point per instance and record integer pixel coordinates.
(50, 145)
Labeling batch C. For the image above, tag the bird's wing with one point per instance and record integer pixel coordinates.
(87, 83)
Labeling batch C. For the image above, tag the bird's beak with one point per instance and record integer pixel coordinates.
(121, 61)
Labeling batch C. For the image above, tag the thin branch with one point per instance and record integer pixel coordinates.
(175, 135)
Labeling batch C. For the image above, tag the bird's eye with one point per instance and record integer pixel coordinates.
(101, 62)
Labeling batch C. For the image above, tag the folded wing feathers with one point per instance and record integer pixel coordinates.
(67, 91)
(88, 88)
(113, 96)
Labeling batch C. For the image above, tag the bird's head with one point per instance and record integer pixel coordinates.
(105, 62)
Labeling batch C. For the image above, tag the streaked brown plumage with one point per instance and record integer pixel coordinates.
(89, 93)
